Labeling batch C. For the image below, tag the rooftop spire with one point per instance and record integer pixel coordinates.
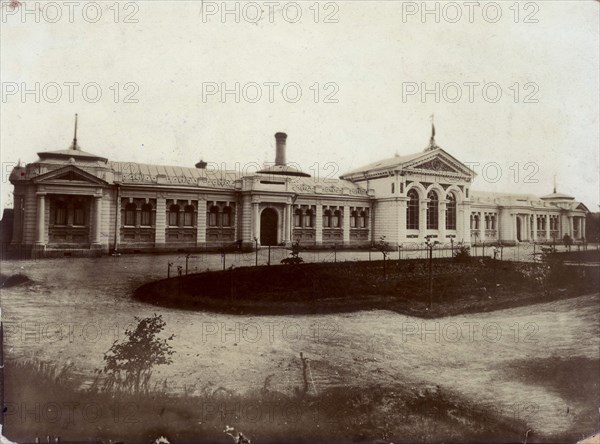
(432, 145)
(74, 145)
(555, 184)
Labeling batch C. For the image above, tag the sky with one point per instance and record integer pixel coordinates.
(513, 86)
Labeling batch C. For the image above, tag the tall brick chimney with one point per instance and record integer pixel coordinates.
(280, 139)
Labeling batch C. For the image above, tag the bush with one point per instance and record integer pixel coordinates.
(295, 253)
(462, 254)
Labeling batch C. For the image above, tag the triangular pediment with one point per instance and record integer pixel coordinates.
(438, 162)
(70, 174)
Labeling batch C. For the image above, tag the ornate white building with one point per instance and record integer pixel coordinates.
(72, 200)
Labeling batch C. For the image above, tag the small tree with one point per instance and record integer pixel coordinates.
(384, 248)
(295, 255)
(129, 364)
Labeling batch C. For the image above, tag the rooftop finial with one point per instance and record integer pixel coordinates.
(555, 184)
(74, 146)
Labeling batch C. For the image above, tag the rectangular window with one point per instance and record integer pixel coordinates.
(79, 216)
(173, 218)
(363, 220)
(61, 216)
(212, 219)
(297, 220)
(308, 223)
(226, 219)
(146, 218)
(353, 220)
(130, 217)
(188, 219)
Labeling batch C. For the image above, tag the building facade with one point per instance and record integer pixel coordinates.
(70, 200)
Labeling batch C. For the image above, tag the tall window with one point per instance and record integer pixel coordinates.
(188, 216)
(79, 214)
(451, 212)
(487, 222)
(393, 188)
(327, 219)
(60, 214)
(363, 219)
(336, 220)
(432, 211)
(146, 215)
(227, 220)
(174, 216)
(130, 210)
(308, 219)
(353, 219)
(212, 216)
(412, 211)
(298, 218)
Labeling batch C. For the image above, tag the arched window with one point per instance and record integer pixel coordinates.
(188, 216)
(212, 216)
(130, 210)
(146, 215)
(327, 219)
(412, 211)
(298, 218)
(354, 219)
(174, 216)
(79, 214)
(432, 210)
(336, 220)
(308, 219)
(363, 219)
(451, 212)
(60, 213)
(226, 219)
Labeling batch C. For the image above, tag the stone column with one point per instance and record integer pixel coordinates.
(442, 222)
(40, 238)
(287, 227)
(481, 227)
(535, 227)
(346, 224)
(571, 233)
(422, 220)
(401, 220)
(201, 223)
(548, 236)
(319, 224)
(255, 221)
(97, 238)
(583, 235)
(515, 229)
(161, 221)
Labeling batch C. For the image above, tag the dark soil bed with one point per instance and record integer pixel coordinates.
(403, 287)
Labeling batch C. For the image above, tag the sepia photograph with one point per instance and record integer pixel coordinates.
(264, 222)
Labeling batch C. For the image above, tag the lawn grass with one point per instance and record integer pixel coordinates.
(43, 401)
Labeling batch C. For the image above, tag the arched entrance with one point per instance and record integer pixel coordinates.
(518, 228)
(268, 227)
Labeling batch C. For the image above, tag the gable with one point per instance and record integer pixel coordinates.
(438, 162)
(71, 174)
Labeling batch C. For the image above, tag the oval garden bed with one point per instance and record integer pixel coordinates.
(401, 286)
